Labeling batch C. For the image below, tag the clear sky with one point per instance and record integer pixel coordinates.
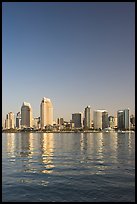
(76, 54)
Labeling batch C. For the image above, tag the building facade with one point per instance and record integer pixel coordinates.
(26, 115)
(18, 120)
(46, 113)
(77, 120)
(87, 117)
(123, 119)
(100, 119)
(9, 122)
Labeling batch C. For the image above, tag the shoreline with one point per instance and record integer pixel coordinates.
(83, 131)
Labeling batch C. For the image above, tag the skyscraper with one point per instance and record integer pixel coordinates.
(100, 119)
(9, 122)
(76, 119)
(26, 115)
(87, 117)
(18, 120)
(123, 119)
(46, 113)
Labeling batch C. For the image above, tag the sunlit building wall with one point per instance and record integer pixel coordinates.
(100, 119)
(26, 115)
(9, 122)
(46, 113)
(97, 119)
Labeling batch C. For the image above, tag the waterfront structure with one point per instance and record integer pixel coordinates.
(115, 122)
(111, 120)
(87, 118)
(123, 119)
(26, 115)
(132, 120)
(36, 122)
(18, 120)
(100, 118)
(46, 113)
(9, 122)
(77, 120)
(60, 121)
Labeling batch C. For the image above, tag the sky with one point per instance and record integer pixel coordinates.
(76, 54)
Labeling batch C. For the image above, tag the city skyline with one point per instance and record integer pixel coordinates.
(76, 54)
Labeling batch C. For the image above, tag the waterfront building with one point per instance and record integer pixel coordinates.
(77, 120)
(36, 122)
(87, 117)
(9, 122)
(18, 120)
(26, 115)
(123, 119)
(100, 118)
(60, 121)
(115, 122)
(46, 113)
(132, 120)
(111, 120)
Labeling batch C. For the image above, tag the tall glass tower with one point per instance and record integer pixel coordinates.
(87, 117)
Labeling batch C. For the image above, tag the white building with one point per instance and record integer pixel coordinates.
(9, 122)
(100, 119)
(26, 115)
(46, 113)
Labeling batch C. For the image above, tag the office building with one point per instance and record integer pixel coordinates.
(77, 120)
(9, 122)
(87, 118)
(100, 119)
(26, 115)
(60, 121)
(36, 123)
(123, 119)
(18, 120)
(111, 120)
(46, 113)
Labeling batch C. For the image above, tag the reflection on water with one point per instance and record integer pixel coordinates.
(91, 146)
(47, 145)
(83, 161)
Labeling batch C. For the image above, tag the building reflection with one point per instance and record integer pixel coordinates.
(11, 144)
(47, 146)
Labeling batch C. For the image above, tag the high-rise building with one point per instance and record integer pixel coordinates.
(18, 120)
(60, 121)
(36, 123)
(9, 122)
(87, 117)
(46, 113)
(100, 119)
(123, 118)
(77, 119)
(132, 120)
(111, 120)
(26, 115)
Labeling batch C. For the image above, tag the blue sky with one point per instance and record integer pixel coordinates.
(76, 54)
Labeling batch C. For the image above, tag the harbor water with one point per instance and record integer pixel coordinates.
(68, 167)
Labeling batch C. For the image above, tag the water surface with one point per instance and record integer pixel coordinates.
(68, 167)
